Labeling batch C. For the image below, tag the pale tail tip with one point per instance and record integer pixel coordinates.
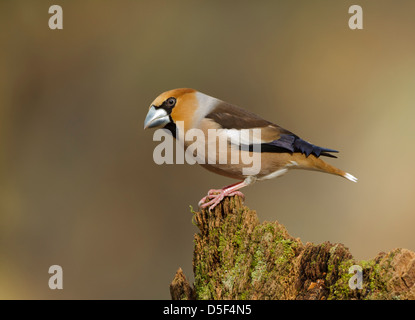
(348, 176)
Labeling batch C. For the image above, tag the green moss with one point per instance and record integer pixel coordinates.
(373, 285)
(337, 278)
(222, 243)
(238, 239)
(228, 280)
(245, 295)
(237, 258)
(204, 292)
(259, 266)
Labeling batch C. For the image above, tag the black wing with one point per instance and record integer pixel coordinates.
(292, 143)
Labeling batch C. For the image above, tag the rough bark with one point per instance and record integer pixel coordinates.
(180, 288)
(236, 257)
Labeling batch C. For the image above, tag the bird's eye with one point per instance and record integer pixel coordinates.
(171, 102)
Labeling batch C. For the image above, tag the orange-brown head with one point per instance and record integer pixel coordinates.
(172, 106)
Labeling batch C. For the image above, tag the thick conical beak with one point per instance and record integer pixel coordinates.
(156, 118)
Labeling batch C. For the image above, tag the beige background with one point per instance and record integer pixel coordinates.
(78, 185)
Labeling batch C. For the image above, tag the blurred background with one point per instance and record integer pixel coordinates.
(78, 185)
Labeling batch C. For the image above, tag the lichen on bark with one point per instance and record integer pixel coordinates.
(236, 257)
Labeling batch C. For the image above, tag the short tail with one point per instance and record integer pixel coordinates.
(313, 163)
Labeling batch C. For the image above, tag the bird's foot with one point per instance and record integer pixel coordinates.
(214, 191)
(211, 194)
(215, 196)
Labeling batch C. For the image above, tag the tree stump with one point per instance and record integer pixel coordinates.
(236, 257)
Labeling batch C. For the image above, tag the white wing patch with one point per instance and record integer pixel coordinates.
(244, 136)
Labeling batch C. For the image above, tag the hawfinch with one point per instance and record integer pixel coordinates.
(280, 150)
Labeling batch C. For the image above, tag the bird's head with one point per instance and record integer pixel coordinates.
(170, 107)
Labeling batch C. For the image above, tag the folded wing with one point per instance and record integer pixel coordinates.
(274, 138)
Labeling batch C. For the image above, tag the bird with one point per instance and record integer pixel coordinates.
(280, 150)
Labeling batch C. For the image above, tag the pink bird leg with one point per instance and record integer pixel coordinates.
(215, 196)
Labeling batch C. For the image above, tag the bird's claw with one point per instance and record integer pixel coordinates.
(215, 196)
